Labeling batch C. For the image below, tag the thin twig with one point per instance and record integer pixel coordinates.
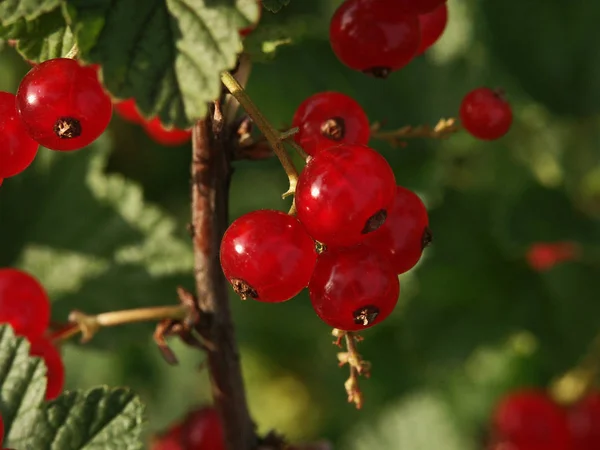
(442, 130)
(270, 133)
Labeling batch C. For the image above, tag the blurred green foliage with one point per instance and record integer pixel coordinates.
(473, 320)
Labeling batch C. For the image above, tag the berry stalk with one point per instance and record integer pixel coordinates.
(442, 130)
(273, 136)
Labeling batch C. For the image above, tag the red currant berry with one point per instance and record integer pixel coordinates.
(63, 104)
(374, 36)
(543, 256)
(405, 233)
(18, 150)
(171, 440)
(352, 288)
(433, 25)
(584, 423)
(55, 374)
(203, 430)
(23, 303)
(128, 111)
(530, 419)
(166, 136)
(485, 114)
(330, 118)
(268, 256)
(422, 6)
(344, 193)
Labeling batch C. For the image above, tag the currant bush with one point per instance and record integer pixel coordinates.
(432, 26)
(353, 288)
(374, 36)
(55, 374)
(330, 118)
(584, 423)
(405, 233)
(166, 136)
(18, 150)
(63, 105)
(530, 419)
(24, 303)
(485, 114)
(344, 193)
(268, 256)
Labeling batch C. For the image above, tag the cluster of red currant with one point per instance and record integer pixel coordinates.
(24, 305)
(367, 229)
(201, 429)
(529, 420)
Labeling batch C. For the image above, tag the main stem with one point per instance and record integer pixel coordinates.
(211, 173)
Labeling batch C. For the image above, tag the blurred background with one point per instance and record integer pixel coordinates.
(105, 229)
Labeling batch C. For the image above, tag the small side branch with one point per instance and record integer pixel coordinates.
(357, 365)
(442, 130)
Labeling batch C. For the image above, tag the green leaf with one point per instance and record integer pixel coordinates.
(275, 5)
(167, 54)
(22, 383)
(45, 37)
(101, 418)
(12, 11)
(419, 422)
(90, 238)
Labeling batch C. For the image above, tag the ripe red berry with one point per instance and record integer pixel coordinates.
(268, 256)
(171, 440)
(55, 374)
(203, 430)
(128, 111)
(433, 25)
(405, 233)
(584, 423)
(63, 105)
(422, 6)
(374, 36)
(543, 256)
(23, 303)
(485, 114)
(18, 150)
(330, 118)
(344, 193)
(166, 136)
(530, 419)
(353, 288)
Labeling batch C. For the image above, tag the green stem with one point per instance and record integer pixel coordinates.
(270, 133)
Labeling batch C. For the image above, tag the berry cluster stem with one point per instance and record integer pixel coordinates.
(357, 365)
(442, 130)
(273, 136)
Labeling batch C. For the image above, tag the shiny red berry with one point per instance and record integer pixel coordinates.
(268, 256)
(405, 233)
(171, 440)
(584, 423)
(374, 36)
(344, 193)
(422, 6)
(17, 150)
(530, 419)
(24, 303)
(202, 430)
(433, 25)
(166, 136)
(63, 105)
(127, 109)
(55, 374)
(543, 256)
(330, 118)
(485, 114)
(353, 288)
